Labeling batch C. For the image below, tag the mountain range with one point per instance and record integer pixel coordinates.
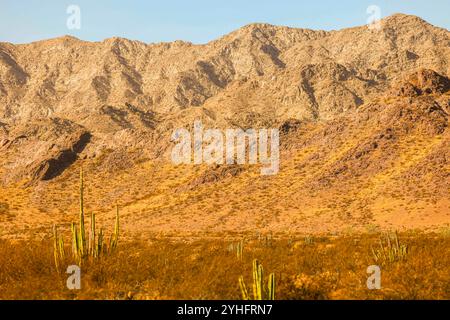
(363, 115)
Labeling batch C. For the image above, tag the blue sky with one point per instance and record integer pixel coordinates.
(198, 21)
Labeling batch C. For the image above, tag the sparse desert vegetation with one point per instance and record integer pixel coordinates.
(325, 268)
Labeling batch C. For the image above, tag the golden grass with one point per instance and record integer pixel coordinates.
(325, 268)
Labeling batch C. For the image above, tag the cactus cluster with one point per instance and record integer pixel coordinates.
(83, 248)
(309, 240)
(260, 292)
(266, 240)
(237, 248)
(390, 249)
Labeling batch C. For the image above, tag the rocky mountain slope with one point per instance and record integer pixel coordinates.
(363, 115)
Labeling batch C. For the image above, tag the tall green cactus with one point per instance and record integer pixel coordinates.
(82, 237)
(92, 250)
(95, 246)
(55, 247)
(237, 248)
(58, 248)
(115, 238)
(244, 291)
(258, 284)
(100, 243)
(75, 242)
(259, 290)
(271, 287)
(240, 249)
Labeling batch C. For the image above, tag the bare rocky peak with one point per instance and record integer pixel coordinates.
(62, 76)
(125, 93)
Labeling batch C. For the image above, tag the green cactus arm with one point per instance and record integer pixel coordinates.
(272, 286)
(62, 253)
(116, 230)
(255, 279)
(244, 290)
(55, 247)
(75, 249)
(82, 235)
(260, 282)
(92, 236)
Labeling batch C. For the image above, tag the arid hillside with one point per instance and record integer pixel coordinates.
(363, 116)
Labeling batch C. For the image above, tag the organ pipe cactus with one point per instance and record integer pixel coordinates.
(83, 250)
(82, 236)
(390, 250)
(240, 249)
(260, 292)
(58, 248)
(115, 238)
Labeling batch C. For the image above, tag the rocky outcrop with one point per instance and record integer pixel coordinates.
(42, 149)
(422, 82)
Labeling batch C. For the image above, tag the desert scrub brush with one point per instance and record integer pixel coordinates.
(260, 292)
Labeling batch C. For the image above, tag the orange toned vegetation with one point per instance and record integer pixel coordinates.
(311, 268)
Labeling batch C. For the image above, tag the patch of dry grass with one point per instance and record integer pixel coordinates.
(325, 268)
